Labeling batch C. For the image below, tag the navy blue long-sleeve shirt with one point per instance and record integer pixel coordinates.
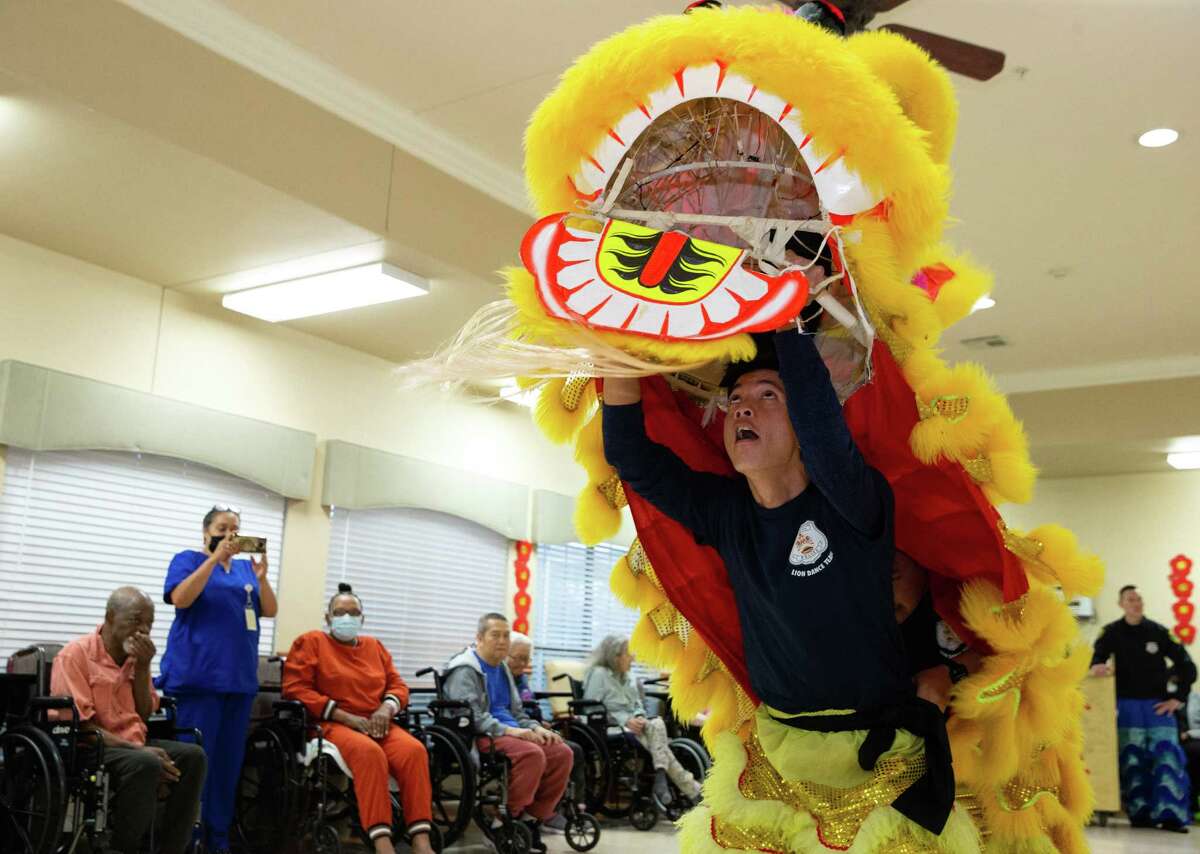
(812, 577)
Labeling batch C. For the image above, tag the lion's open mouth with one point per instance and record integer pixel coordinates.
(696, 209)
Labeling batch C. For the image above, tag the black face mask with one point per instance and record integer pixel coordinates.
(214, 542)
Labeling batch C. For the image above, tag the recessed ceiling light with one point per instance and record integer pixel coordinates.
(1185, 460)
(1158, 137)
(370, 284)
(983, 302)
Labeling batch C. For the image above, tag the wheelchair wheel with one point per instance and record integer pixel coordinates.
(692, 756)
(326, 839)
(452, 775)
(630, 773)
(33, 790)
(643, 815)
(267, 793)
(582, 832)
(512, 838)
(595, 762)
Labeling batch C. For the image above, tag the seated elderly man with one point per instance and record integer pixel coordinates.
(347, 680)
(541, 763)
(107, 674)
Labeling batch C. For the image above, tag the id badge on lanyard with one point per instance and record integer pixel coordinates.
(251, 617)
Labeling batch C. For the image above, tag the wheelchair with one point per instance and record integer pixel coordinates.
(54, 789)
(489, 769)
(582, 830)
(619, 770)
(295, 789)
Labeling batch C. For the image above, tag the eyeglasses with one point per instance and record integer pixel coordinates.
(228, 508)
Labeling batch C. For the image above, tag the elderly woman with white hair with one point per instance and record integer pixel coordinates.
(608, 681)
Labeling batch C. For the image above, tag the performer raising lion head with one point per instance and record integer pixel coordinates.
(704, 181)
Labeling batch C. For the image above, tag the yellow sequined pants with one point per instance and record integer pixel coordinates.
(793, 791)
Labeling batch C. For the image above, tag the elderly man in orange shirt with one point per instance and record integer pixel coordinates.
(107, 674)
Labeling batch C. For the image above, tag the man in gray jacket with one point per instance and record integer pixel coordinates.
(541, 762)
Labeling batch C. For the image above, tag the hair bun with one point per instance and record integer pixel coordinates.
(343, 587)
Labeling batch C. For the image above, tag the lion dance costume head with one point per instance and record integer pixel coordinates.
(702, 177)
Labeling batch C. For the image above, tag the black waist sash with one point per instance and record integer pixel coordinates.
(930, 799)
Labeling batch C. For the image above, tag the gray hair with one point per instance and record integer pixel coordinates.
(487, 618)
(608, 651)
(519, 639)
(124, 598)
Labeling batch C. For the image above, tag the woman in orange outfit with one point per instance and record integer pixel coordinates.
(348, 681)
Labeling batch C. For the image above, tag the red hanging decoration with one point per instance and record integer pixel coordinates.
(1181, 566)
(522, 600)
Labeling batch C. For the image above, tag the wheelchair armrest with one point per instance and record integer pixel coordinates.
(583, 708)
(549, 695)
(167, 704)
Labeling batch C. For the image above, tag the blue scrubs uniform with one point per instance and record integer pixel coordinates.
(210, 667)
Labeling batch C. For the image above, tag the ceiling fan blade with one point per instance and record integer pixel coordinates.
(969, 60)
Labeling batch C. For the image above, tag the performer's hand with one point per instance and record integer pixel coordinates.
(1168, 707)
(619, 391)
(1101, 670)
(934, 685)
(636, 725)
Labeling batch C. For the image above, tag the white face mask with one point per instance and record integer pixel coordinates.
(345, 627)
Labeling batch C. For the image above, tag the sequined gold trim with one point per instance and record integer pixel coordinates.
(745, 706)
(710, 666)
(573, 390)
(970, 802)
(639, 563)
(1026, 548)
(663, 618)
(729, 835)
(838, 813)
(980, 469)
(683, 629)
(613, 490)
(1017, 794)
(1012, 681)
(952, 407)
(900, 348)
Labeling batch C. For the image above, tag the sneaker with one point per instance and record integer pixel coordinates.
(1174, 826)
(536, 846)
(661, 791)
(556, 824)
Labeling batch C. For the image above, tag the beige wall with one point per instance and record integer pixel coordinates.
(65, 314)
(1135, 522)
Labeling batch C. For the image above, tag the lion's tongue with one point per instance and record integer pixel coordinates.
(662, 257)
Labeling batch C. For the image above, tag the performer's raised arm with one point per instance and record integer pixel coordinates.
(831, 458)
(689, 497)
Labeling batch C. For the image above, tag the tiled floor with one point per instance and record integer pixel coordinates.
(1107, 840)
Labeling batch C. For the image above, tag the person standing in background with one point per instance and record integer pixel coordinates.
(1154, 781)
(211, 663)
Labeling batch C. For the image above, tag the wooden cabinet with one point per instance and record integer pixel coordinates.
(1100, 741)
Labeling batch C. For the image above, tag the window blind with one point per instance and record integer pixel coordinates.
(75, 525)
(425, 579)
(573, 606)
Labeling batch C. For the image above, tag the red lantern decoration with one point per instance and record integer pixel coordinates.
(1181, 565)
(522, 600)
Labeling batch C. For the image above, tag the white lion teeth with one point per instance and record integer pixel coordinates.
(585, 300)
(648, 319)
(576, 275)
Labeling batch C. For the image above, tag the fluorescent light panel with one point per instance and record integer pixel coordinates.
(355, 287)
(1184, 460)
